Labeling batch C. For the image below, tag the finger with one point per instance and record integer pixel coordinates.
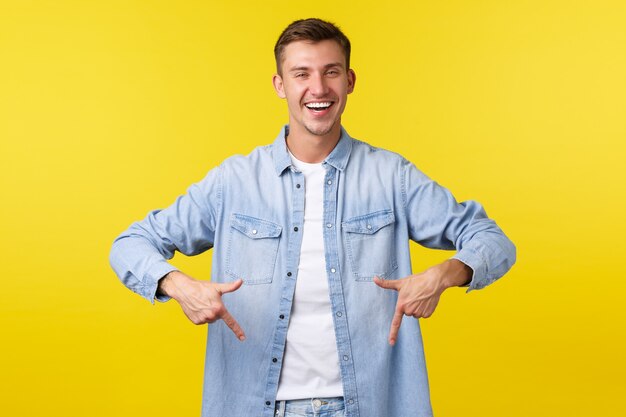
(389, 284)
(229, 286)
(395, 326)
(234, 326)
(429, 308)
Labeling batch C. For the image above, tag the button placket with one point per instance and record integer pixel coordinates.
(331, 241)
(294, 219)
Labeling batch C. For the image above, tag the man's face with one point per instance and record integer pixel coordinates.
(315, 82)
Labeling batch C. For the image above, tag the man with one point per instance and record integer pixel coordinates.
(310, 237)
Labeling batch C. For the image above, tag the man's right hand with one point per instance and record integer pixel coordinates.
(201, 301)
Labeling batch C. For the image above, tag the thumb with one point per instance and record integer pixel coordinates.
(388, 284)
(229, 286)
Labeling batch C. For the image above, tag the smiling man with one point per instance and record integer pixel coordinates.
(311, 235)
(315, 79)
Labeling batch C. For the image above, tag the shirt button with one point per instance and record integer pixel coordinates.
(297, 185)
(369, 227)
(295, 229)
(329, 182)
(282, 316)
(274, 360)
(350, 401)
(288, 274)
(339, 314)
(333, 270)
(268, 403)
(254, 232)
(345, 357)
(329, 225)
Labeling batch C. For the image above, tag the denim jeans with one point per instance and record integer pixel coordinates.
(311, 407)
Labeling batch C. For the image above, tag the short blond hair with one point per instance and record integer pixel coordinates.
(313, 30)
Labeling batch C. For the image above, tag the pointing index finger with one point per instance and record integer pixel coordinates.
(395, 326)
(234, 326)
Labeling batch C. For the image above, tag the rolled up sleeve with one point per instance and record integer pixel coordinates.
(139, 255)
(436, 220)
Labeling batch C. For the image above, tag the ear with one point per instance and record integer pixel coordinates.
(351, 80)
(277, 80)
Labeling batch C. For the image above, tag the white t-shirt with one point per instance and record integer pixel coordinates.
(311, 362)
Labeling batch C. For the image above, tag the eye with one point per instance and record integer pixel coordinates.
(300, 75)
(332, 72)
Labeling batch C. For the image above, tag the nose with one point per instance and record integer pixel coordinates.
(318, 86)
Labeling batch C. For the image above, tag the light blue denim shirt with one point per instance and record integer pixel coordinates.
(247, 210)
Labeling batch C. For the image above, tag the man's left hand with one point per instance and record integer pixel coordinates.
(419, 294)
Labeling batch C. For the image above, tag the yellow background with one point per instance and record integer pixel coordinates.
(111, 108)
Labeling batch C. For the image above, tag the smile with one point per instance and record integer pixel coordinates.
(319, 106)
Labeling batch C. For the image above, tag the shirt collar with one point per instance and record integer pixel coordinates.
(338, 158)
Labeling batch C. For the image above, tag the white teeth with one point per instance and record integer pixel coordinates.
(318, 105)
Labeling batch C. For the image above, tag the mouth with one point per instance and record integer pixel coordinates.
(319, 108)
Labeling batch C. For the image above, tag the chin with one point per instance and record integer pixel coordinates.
(320, 130)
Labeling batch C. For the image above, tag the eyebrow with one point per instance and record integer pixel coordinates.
(303, 68)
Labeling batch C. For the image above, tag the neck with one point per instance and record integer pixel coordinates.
(311, 148)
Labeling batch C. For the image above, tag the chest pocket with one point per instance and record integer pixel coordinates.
(252, 249)
(371, 245)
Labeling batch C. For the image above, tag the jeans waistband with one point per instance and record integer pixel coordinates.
(309, 406)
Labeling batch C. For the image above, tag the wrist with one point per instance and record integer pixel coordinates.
(456, 273)
(167, 284)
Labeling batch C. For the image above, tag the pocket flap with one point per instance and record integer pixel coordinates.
(254, 228)
(369, 223)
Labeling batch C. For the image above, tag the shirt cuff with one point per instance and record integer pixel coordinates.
(478, 265)
(151, 280)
